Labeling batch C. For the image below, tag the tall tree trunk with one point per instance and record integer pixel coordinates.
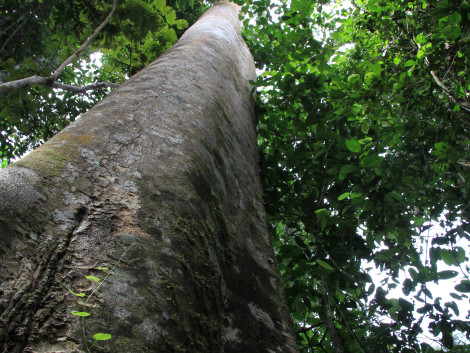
(159, 184)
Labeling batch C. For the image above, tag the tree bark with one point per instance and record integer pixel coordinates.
(158, 183)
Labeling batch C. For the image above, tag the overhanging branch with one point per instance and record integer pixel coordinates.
(83, 89)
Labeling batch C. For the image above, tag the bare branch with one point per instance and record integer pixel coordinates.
(46, 81)
(83, 89)
(85, 45)
(24, 82)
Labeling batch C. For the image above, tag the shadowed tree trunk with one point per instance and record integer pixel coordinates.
(156, 193)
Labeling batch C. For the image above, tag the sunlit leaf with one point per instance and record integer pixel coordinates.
(93, 278)
(101, 336)
(80, 313)
(77, 294)
(353, 146)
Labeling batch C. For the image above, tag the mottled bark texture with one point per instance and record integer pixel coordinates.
(166, 167)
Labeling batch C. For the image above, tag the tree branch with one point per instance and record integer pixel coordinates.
(329, 317)
(464, 104)
(46, 81)
(50, 81)
(24, 82)
(83, 89)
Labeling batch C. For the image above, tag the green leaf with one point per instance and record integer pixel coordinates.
(463, 287)
(371, 161)
(353, 146)
(181, 24)
(406, 305)
(4, 113)
(454, 18)
(102, 268)
(365, 126)
(377, 69)
(420, 39)
(442, 146)
(355, 195)
(447, 274)
(160, 4)
(427, 292)
(343, 196)
(455, 296)
(368, 78)
(93, 278)
(454, 308)
(171, 17)
(345, 170)
(101, 336)
(407, 286)
(447, 256)
(322, 211)
(325, 265)
(80, 313)
(10, 63)
(459, 253)
(77, 294)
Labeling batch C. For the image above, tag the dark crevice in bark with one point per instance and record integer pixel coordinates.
(22, 314)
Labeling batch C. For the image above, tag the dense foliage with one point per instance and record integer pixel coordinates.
(364, 131)
(364, 121)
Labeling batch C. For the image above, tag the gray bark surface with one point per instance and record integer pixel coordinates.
(160, 180)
